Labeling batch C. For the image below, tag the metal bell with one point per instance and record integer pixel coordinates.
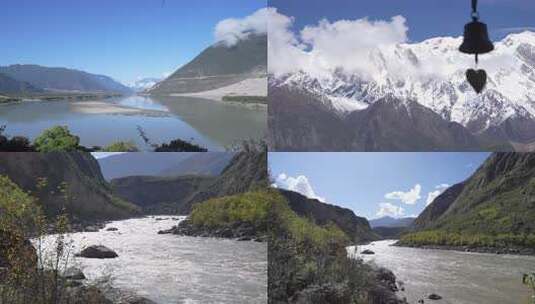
(476, 39)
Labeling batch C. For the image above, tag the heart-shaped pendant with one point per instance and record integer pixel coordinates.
(477, 79)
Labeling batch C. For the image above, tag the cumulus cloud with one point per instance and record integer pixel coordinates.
(232, 30)
(410, 197)
(371, 49)
(320, 49)
(434, 194)
(299, 184)
(388, 209)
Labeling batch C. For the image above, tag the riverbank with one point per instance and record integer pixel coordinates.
(458, 277)
(254, 88)
(490, 250)
(240, 231)
(5, 100)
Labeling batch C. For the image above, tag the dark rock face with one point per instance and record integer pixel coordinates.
(367, 251)
(97, 252)
(434, 296)
(81, 174)
(357, 228)
(301, 121)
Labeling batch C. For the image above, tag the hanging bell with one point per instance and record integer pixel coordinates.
(476, 38)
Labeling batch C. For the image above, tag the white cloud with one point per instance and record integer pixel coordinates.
(232, 30)
(388, 209)
(299, 184)
(320, 49)
(410, 197)
(434, 194)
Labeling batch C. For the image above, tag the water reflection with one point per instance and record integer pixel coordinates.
(215, 125)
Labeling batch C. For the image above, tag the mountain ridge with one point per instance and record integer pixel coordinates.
(218, 66)
(59, 79)
(502, 115)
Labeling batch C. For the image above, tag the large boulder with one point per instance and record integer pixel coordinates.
(97, 252)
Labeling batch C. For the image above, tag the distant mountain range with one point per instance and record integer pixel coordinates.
(388, 221)
(218, 66)
(39, 79)
(9, 86)
(164, 164)
(406, 112)
(144, 84)
(178, 194)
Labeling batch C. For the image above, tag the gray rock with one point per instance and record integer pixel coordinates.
(434, 296)
(112, 229)
(367, 251)
(97, 252)
(91, 229)
(74, 273)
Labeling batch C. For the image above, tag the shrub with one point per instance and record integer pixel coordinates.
(121, 146)
(57, 138)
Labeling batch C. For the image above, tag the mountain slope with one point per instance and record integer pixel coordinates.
(302, 121)
(431, 73)
(10, 86)
(159, 195)
(497, 204)
(245, 172)
(387, 221)
(208, 163)
(218, 66)
(356, 228)
(163, 164)
(62, 79)
(89, 196)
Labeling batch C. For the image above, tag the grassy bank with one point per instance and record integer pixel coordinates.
(309, 264)
(444, 238)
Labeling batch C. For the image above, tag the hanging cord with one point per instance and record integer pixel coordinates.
(475, 17)
(475, 14)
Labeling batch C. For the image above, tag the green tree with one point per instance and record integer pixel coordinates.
(57, 138)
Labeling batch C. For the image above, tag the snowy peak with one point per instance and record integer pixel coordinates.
(432, 73)
(143, 84)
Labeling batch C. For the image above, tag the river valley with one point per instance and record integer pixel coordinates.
(459, 277)
(174, 269)
(214, 125)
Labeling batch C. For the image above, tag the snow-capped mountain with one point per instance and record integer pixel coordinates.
(144, 84)
(432, 73)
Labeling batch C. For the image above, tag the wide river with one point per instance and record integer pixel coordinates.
(173, 269)
(459, 277)
(215, 125)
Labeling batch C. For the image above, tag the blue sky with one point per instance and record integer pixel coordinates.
(425, 19)
(364, 181)
(124, 39)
